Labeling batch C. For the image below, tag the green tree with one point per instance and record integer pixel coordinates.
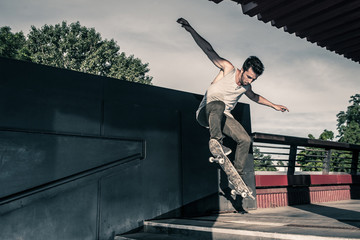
(11, 43)
(326, 135)
(311, 159)
(348, 127)
(349, 122)
(82, 49)
(263, 162)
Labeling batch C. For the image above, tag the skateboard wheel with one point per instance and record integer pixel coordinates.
(233, 192)
(244, 195)
(221, 161)
(211, 159)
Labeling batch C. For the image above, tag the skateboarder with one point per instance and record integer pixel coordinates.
(223, 94)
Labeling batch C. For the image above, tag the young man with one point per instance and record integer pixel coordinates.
(223, 94)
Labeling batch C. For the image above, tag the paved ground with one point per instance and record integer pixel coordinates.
(333, 221)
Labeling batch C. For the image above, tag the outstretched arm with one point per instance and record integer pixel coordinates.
(220, 62)
(261, 100)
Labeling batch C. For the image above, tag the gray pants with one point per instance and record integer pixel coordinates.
(220, 124)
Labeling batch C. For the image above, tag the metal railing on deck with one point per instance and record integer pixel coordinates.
(294, 154)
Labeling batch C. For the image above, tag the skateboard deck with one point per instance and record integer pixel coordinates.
(238, 185)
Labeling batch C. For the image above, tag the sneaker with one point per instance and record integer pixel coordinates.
(214, 144)
(226, 150)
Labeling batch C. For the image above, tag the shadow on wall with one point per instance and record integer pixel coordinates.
(298, 191)
(355, 187)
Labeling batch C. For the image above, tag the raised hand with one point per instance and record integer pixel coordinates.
(281, 108)
(184, 23)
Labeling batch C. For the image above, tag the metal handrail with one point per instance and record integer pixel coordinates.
(296, 144)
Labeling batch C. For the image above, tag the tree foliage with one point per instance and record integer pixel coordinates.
(11, 43)
(73, 47)
(311, 159)
(349, 122)
(263, 162)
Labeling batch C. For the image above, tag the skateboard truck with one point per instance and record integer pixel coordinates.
(243, 194)
(218, 159)
(233, 191)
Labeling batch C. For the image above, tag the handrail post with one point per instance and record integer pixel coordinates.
(326, 162)
(354, 162)
(292, 160)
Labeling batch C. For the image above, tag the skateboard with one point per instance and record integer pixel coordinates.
(237, 184)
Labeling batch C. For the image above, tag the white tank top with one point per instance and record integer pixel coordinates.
(225, 90)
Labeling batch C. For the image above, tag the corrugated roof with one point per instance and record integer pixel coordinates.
(332, 24)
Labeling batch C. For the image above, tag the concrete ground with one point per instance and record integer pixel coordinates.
(333, 220)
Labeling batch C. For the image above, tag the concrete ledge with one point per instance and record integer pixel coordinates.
(281, 197)
(305, 180)
(284, 190)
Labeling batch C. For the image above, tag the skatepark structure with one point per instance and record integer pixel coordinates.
(90, 157)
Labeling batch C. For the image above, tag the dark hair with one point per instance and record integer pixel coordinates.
(255, 64)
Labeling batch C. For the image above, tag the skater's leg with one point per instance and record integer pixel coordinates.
(215, 114)
(236, 131)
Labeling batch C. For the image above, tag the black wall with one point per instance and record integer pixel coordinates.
(88, 157)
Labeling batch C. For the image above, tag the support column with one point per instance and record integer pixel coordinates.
(326, 162)
(354, 162)
(292, 160)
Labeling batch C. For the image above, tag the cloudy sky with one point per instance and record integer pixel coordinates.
(313, 83)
